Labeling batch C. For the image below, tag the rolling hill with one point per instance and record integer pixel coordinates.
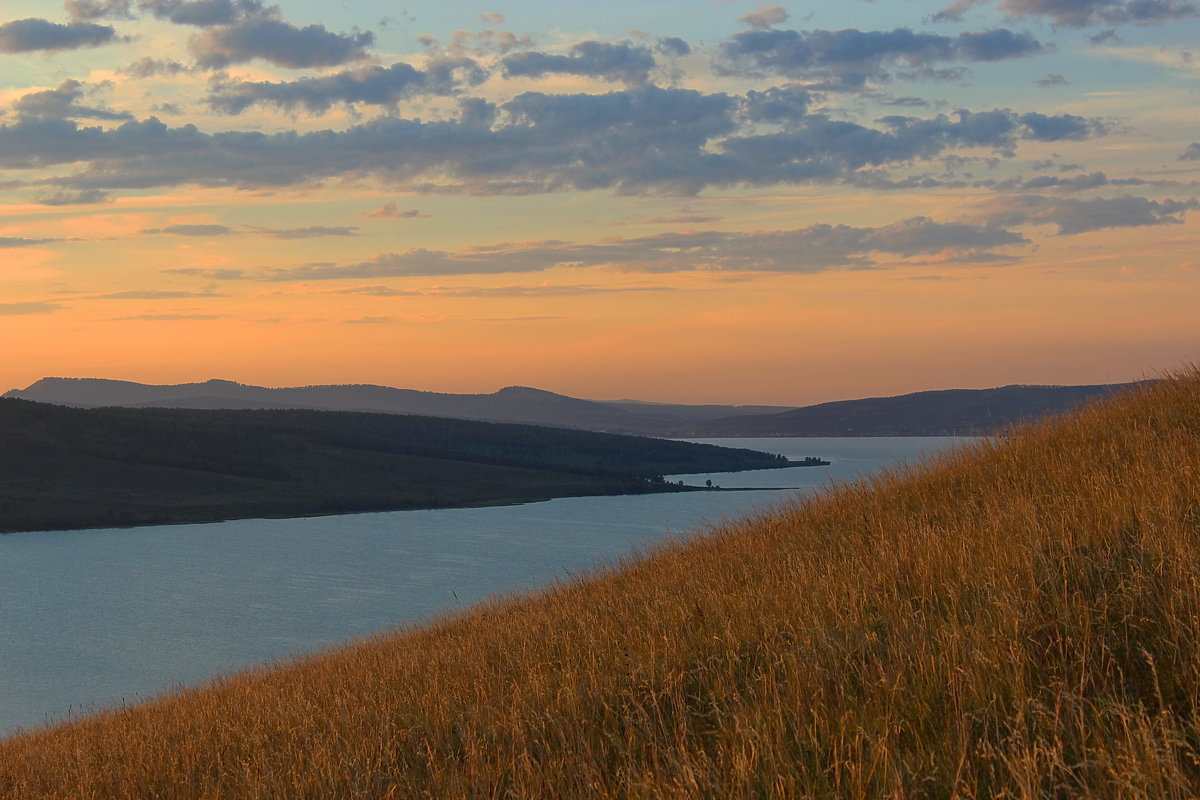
(1017, 619)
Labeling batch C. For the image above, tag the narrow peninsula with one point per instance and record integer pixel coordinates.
(108, 467)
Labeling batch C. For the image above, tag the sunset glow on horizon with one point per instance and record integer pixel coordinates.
(717, 201)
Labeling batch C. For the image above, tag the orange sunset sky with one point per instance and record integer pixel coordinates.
(679, 201)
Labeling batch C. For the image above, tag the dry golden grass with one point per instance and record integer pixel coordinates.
(1020, 619)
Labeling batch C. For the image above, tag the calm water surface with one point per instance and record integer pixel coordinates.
(96, 618)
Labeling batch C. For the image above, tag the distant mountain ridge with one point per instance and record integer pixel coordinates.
(946, 412)
(931, 413)
(511, 404)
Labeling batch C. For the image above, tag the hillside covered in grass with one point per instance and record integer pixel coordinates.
(1021, 619)
(82, 468)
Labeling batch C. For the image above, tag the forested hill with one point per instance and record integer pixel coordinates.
(71, 468)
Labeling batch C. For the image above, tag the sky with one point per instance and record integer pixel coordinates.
(710, 201)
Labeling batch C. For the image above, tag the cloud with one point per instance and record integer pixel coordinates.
(681, 219)
(954, 12)
(202, 13)
(906, 102)
(147, 67)
(63, 102)
(28, 35)
(812, 249)
(211, 274)
(392, 211)
(544, 290)
(167, 317)
(21, 309)
(1192, 153)
(1109, 36)
(278, 42)
(634, 141)
(998, 44)
(378, 291)
(497, 292)
(1053, 79)
(155, 295)
(1077, 183)
(492, 18)
(1080, 13)
(819, 148)
(311, 232)
(766, 17)
(777, 105)
(190, 230)
(1056, 128)
(611, 62)
(7, 242)
(85, 198)
(673, 46)
(1082, 216)
(98, 9)
(849, 59)
(375, 85)
(368, 320)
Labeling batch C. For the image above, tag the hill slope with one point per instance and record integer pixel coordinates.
(948, 412)
(1018, 620)
(71, 468)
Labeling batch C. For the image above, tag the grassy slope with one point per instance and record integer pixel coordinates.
(71, 468)
(1020, 620)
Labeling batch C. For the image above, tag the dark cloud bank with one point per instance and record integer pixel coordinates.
(636, 140)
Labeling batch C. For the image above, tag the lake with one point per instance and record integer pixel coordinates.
(97, 618)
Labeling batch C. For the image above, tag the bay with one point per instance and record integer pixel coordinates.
(97, 618)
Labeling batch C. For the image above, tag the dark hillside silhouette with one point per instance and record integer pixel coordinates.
(951, 412)
(78, 468)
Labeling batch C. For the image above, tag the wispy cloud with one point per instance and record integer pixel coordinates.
(155, 294)
(86, 197)
(392, 211)
(216, 274)
(190, 230)
(23, 309)
(168, 317)
(1079, 13)
(310, 232)
(812, 249)
(20, 241)
(540, 290)
(1073, 216)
